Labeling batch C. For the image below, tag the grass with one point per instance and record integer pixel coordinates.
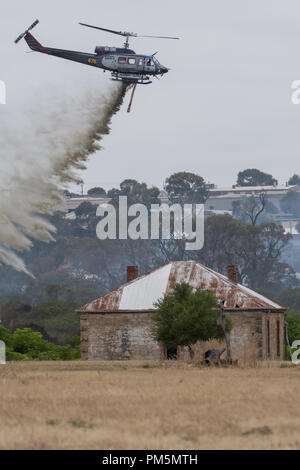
(148, 405)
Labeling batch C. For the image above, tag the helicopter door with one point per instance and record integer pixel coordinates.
(149, 66)
(131, 61)
(140, 63)
(122, 64)
(109, 62)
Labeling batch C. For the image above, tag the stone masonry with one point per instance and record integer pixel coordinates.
(118, 336)
(121, 336)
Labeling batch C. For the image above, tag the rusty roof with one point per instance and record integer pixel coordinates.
(141, 293)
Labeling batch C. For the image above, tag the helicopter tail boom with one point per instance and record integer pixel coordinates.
(34, 44)
(81, 57)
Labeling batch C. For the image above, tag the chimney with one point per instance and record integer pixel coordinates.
(232, 273)
(132, 273)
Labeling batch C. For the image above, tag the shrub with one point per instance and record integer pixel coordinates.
(185, 316)
(25, 344)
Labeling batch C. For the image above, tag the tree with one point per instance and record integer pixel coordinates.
(85, 209)
(290, 203)
(254, 177)
(127, 186)
(137, 193)
(293, 328)
(294, 180)
(290, 298)
(185, 316)
(97, 191)
(86, 220)
(249, 208)
(4, 335)
(13, 310)
(29, 342)
(54, 291)
(255, 250)
(184, 187)
(26, 344)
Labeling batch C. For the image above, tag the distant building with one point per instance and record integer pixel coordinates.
(71, 203)
(117, 325)
(163, 197)
(222, 198)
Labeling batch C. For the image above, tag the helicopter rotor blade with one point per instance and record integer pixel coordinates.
(120, 33)
(125, 33)
(158, 37)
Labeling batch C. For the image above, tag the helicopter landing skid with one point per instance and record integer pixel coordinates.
(131, 78)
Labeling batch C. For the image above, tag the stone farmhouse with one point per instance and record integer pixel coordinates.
(117, 325)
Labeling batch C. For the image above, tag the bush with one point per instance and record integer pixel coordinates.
(4, 335)
(185, 316)
(15, 356)
(25, 344)
(293, 325)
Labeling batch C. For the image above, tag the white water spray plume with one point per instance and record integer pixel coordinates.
(40, 158)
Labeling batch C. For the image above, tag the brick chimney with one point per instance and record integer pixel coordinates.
(232, 273)
(132, 273)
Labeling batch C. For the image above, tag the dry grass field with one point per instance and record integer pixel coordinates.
(148, 405)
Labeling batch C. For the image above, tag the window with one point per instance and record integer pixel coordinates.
(268, 337)
(278, 338)
(131, 61)
(122, 60)
(140, 61)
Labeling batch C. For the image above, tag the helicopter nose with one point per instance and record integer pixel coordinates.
(164, 70)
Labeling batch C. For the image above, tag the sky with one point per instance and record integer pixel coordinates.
(224, 106)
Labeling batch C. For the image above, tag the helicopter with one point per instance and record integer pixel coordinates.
(124, 64)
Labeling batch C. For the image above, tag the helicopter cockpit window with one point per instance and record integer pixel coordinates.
(131, 61)
(122, 60)
(149, 62)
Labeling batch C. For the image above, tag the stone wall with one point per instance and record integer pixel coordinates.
(246, 335)
(117, 336)
(271, 348)
(249, 338)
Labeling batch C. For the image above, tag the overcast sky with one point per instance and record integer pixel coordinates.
(224, 106)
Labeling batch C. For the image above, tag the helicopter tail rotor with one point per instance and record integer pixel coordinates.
(27, 30)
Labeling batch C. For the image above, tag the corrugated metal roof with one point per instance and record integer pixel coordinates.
(143, 292)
